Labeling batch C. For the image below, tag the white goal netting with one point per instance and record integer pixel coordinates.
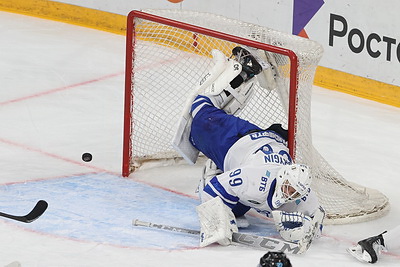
(166, 60)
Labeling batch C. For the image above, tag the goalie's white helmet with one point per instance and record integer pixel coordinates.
(292, 183)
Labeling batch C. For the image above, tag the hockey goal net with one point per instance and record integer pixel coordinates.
(169, 51)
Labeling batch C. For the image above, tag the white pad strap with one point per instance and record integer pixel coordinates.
(210, 170)
(240, 97)
(217, 223)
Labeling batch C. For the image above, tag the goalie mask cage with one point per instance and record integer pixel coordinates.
(169, 51)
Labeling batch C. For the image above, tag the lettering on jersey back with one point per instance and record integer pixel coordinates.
(268, 134)
(276, 158)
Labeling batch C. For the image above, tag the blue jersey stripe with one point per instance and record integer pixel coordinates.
(222, 192)
(270, 194)
(209, 191)
(200, 100)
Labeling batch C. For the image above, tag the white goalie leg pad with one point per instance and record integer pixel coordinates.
(180, 141)
(232, 68)
(217, 223)
(220, 64)
(219, 92)
(292, 226)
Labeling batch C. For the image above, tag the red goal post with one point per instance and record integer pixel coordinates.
(199, 30)
(168, 52)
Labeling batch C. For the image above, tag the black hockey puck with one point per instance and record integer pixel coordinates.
(87, 157)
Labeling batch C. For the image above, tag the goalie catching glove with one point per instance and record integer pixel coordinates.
(294, 226)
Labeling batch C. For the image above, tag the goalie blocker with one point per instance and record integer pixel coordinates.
(217, 223)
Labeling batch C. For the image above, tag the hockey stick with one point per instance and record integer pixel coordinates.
(255, 241)
(35, 213)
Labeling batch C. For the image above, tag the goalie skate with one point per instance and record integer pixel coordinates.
(268, 75)
(234, 97)
(250, 65)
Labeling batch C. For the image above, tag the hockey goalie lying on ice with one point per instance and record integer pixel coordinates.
(248, 167)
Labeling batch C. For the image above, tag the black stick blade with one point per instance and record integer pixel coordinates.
(35, 213)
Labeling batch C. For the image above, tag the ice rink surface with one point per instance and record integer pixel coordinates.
(61, 95)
